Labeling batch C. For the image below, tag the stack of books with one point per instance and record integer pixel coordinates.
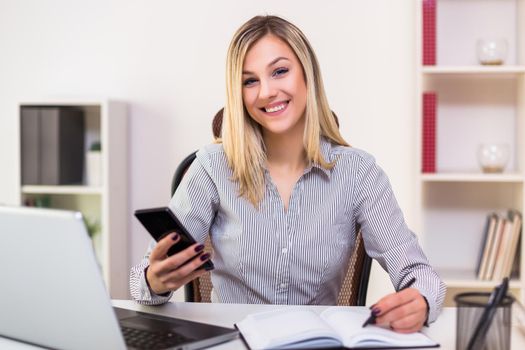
(499, 246)
(52, 145)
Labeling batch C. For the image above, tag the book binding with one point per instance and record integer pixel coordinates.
(429, 132)
(429, 32)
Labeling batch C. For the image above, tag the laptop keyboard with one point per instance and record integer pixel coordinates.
(141, 339)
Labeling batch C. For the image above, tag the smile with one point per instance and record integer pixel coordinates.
(276, 108)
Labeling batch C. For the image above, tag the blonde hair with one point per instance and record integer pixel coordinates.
(241, 135)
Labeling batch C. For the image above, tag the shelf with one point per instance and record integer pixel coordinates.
(105, 121)
(467, 279)
(472, 177)
(474, 70)
(62, 189)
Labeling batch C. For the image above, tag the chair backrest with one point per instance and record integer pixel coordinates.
(355, 284)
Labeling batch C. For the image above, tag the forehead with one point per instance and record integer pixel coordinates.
(265, 50)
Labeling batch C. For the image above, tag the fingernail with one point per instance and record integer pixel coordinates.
(376, 311)
(199, 248)
(205, 256)
(175, 236)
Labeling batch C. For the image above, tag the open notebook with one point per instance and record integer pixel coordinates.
(334, 327)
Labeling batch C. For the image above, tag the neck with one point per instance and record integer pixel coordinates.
(286, 151)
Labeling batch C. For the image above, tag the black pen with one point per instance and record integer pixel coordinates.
(372, 318)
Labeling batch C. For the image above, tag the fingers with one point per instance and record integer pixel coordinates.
(175, 283)
(404, 311)
(160, 250)
(170, 273)
(394, 300)
(408, 324)
(177, 260)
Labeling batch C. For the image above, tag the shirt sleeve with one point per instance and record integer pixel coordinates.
(194, 203)
(388, 240)
(138, 286)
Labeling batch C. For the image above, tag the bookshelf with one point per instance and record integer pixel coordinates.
(104, 203)
(476, 104)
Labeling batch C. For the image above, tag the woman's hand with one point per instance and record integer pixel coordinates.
(404, 311)
(165, 273)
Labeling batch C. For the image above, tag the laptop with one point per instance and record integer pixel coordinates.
(52, 293)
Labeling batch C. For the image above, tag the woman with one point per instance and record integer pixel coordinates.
(282, 192)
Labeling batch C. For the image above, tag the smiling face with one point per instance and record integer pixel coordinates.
(274, 89)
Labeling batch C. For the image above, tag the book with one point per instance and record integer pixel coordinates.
(336, 326)
(494, 248)
(515, 217)
(429, 132)
(30, 145)
(61, 145)
(429, 32)
(503, 250)
(486, 243)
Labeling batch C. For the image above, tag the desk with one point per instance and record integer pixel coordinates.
(443, 330)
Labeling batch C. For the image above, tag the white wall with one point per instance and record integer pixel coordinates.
(166, 59)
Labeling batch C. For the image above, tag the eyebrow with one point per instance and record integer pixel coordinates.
(269, 64)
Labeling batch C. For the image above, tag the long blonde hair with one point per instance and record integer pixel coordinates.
(241, 135)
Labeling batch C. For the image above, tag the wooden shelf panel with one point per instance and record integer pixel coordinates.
(473, 70)
(473, 177)
(62, 189)
(467, 279)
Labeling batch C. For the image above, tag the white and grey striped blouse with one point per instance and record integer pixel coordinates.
(298, 256)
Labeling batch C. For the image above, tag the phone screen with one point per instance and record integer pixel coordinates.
(160, 222)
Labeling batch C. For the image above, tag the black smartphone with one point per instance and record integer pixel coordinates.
(161, 221)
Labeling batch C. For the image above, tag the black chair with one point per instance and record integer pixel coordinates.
(355, 284)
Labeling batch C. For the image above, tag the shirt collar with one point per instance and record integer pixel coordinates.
(325, 148)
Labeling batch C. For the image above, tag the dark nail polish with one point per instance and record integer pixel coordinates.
(175, 236)
(376, 311)
(199, 248)
(205, 256)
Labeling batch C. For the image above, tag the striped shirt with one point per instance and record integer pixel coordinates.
(297, 256)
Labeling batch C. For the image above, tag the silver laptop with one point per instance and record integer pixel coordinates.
(52, 293)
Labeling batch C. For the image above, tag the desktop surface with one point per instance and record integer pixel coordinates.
(443, 330)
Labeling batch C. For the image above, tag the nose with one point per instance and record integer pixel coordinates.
(267, 89)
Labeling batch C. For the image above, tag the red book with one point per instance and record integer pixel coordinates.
(429, 132)
(429, 32)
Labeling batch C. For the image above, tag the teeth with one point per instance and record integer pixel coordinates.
(275, 108)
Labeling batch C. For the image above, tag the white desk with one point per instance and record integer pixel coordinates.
(443, 330)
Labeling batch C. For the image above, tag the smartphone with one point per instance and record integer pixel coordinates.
(160, 222)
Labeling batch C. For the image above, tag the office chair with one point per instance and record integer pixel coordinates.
(355, 284)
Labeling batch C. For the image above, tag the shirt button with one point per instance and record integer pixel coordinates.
(284, 250)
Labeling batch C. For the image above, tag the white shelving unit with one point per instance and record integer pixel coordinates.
(475, 104)
(105, 121)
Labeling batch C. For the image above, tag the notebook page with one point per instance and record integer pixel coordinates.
(284, 326)
(348, 324)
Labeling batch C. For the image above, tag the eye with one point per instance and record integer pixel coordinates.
(279, 71)
(249, 82)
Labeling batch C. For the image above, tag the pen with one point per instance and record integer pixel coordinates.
(372, 318)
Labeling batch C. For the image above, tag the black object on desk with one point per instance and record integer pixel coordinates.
(478, 337)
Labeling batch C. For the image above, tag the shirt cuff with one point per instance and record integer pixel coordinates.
(433, 309)
(148, 296)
